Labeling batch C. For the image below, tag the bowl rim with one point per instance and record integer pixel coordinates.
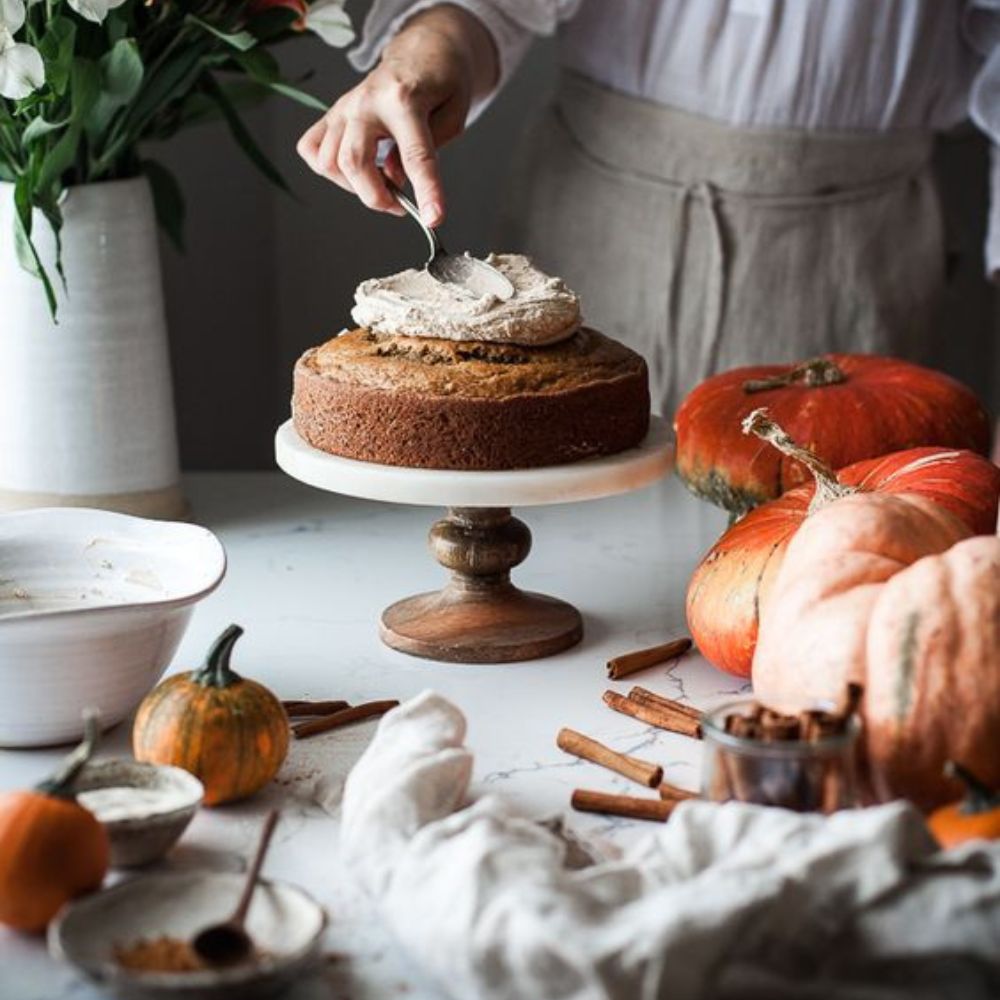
(113, 518)
(109, 972)
(158, 817)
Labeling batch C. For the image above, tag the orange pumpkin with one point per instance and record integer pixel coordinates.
(230, 732)
(51, 849)
(888, 592)
(843, 407)
(974, 817)
(733, 581)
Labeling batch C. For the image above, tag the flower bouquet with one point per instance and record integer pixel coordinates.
(86, 403)
(84, 82)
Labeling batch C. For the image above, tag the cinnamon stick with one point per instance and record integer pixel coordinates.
(304, 709)
(630, 806)
(734, 765)
(675, 793)
(654, 715)
(342, 718)
(641, 659)
(648, 697)
(584, 747)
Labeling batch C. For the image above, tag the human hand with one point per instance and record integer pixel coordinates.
(418, 96)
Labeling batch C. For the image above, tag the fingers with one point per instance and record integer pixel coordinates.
(394, 168)
(319, 146)
(418, 159)
(356, 160)
(308, 146)
(343, 146)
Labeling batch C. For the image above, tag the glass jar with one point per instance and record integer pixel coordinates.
(813, 776)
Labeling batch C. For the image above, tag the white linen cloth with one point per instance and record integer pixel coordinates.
(730, 901)
(875, 65)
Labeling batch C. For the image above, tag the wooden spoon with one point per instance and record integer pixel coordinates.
(228, 943)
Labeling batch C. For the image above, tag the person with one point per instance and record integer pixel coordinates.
(725, 182)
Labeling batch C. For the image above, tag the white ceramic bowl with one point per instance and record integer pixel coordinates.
(92, 608)
(285, 922)
(148, 831)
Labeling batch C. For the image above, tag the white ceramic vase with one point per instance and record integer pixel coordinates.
(86, 404)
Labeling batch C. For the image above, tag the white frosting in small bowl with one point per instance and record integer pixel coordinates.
(413, 304)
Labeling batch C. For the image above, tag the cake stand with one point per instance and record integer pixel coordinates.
(479, 616)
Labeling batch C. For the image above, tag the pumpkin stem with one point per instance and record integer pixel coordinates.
(979, 797)
(60, 785)
(216, 672)
(814, 373)
(827, 486)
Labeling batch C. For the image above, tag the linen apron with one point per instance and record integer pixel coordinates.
(705, 246)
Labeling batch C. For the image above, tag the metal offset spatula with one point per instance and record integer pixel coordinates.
(470, 273)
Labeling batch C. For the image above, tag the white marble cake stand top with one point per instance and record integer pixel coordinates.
(587, 480)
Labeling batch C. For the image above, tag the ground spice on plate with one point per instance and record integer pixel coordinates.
(162, 954)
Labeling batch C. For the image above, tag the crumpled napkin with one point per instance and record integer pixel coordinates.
(728, 901)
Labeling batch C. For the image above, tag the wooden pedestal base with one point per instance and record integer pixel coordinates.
(480, 616)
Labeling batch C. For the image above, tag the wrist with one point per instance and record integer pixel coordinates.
(463, 35)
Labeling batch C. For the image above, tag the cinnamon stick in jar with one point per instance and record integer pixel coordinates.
(654, 715)
(633, 768)
(642, 659)
(629, 806)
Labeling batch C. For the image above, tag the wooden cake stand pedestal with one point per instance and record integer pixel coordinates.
(479, 616)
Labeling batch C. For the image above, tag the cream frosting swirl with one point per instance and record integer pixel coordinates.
(543, 310)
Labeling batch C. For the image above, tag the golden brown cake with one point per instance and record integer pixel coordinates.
(451, 404)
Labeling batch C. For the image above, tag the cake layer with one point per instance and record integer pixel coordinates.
(439, 404)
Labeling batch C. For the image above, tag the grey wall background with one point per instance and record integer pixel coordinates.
(266, 276)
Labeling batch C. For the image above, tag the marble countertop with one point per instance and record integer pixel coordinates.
(308, 575)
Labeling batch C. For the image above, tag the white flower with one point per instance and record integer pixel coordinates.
(330, 21)
(94, 10)
(21, 68)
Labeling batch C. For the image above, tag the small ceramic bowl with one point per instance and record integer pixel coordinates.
(92, 608)
(143, 830)
(285, 923)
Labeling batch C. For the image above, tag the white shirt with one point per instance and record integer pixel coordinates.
(817, 64)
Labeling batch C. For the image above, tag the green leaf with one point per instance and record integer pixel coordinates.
(299, 95)
(122, 70)
(260, 65)
(85, 82)
(121, 77)
(242, 41)
(56, 47)
(27, 254)
(167, 201)
(116, 25)
(40, 127)
(159, 87)
(243, 137)
(59, 158)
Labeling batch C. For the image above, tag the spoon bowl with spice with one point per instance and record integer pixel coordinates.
(135, 938)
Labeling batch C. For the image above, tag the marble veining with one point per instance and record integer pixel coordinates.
(309, 573)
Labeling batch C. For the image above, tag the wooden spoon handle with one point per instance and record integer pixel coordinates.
(240, 913)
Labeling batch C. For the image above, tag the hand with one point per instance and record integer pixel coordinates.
(419, 96)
